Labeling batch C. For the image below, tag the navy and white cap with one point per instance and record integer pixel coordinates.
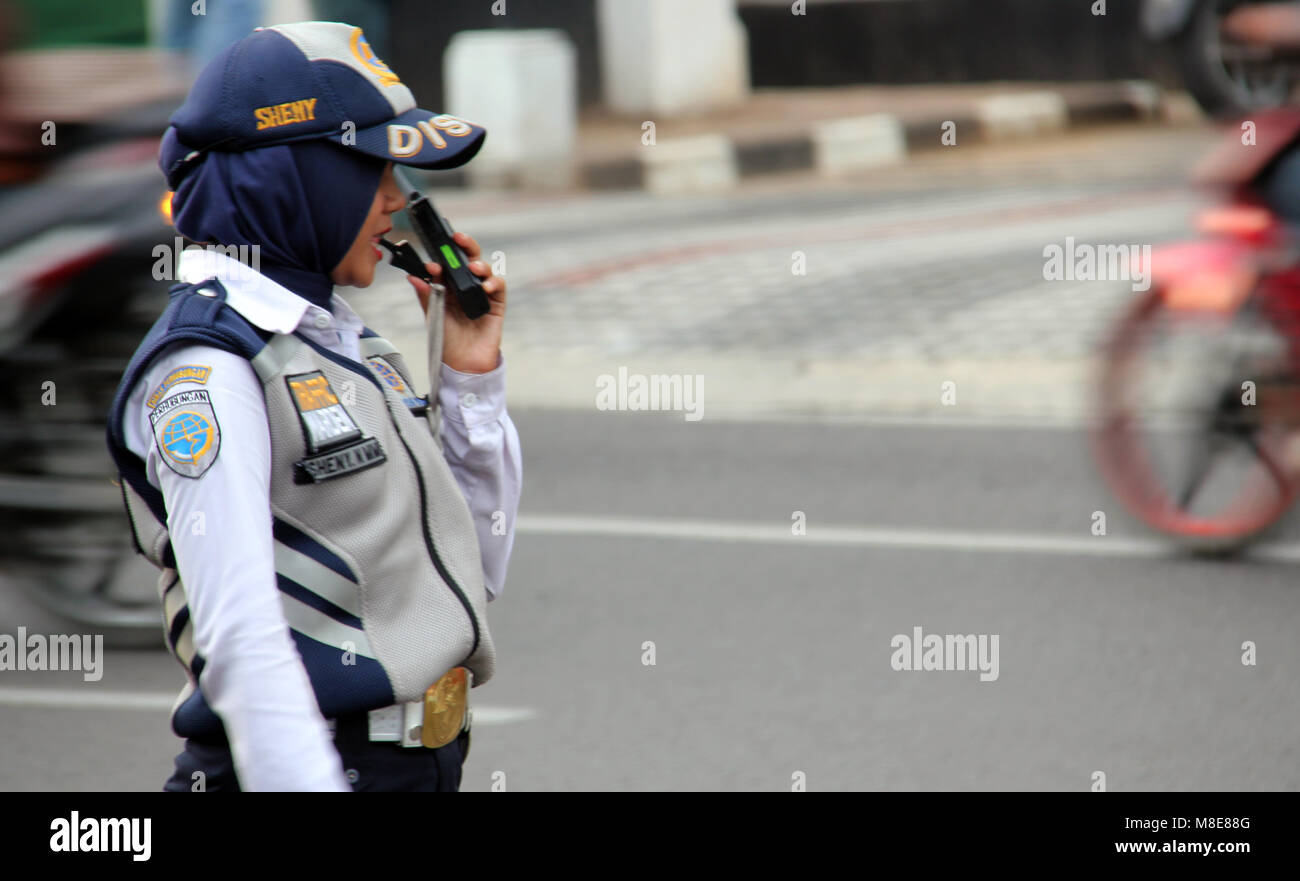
(312, 79)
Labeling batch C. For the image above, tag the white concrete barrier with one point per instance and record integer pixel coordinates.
(522, 87)
(1022, 114)
(703, 163)
(845, 146)
(671, 56)
(1146, 97)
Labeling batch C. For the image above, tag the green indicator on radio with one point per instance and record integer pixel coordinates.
(451, 257)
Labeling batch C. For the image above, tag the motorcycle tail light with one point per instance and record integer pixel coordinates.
(1241, 221)
(1220, 292)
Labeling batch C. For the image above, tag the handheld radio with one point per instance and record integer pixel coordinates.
(436, 235)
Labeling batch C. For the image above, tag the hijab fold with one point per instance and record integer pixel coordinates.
(300, 204)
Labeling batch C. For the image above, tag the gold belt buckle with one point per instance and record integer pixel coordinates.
(446, 708)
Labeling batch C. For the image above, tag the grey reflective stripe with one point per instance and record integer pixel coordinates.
(186, 691)
(376, 345)
(185, 644)
(319, 579)
(142, 519)
(274, 355)
(173, 602)
(322, 628)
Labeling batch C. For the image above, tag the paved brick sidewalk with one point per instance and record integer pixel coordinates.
(915, 277)
(935, 280)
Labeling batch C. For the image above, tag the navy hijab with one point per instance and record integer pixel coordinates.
(302, 203)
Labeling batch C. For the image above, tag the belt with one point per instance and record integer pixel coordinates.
(432, 722)
(398, 723)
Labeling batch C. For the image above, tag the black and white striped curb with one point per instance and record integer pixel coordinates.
(844, 146)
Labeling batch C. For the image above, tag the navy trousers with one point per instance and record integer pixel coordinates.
(370, 766)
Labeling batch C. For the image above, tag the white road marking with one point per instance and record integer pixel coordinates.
(501, 715)
(85, 699)
(874, 537)
(991, 421)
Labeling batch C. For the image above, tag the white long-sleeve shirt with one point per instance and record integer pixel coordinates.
(220, 522)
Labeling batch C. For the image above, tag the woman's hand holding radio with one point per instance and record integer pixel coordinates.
(470, 346)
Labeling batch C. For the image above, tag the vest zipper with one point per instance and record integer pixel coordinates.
(428, 539)
(419, 482)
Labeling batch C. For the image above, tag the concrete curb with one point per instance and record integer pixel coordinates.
(745, 385)
(845, 146)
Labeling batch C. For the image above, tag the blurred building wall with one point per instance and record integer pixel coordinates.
(837, 42)
(913, 41)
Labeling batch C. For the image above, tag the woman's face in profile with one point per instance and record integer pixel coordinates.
(357, 268)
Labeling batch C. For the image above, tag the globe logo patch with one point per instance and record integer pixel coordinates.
(186, 430)
(186, 437)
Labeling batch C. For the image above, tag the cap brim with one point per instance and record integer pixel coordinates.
(418, 138)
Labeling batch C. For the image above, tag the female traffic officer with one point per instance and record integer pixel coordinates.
(328, 539)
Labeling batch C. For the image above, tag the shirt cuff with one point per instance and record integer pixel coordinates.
(473, 399)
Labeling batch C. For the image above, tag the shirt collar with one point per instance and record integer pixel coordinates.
(263, 302)
(345, 317)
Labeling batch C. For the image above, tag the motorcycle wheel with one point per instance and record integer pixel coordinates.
(1230, 80)
(1202, 468)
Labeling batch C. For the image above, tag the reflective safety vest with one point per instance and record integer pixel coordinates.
(376, 556)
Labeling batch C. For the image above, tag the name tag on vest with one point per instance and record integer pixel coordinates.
(335, 446)
(337, 463)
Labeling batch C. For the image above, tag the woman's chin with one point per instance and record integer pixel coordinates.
(359, 277)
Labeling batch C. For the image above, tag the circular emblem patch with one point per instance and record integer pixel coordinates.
(186, 437)
(186, 430)
(362, 52)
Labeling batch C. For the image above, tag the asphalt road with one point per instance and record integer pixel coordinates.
(772, 651)
(773, 656)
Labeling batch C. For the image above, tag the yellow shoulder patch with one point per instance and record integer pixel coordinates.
(196, 373)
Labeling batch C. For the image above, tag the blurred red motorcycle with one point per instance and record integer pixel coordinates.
(1198, 429)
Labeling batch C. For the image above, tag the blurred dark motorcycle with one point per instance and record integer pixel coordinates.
(1227, 78)
(79, 221)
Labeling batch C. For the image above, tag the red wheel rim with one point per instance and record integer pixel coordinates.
(1125, 465)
